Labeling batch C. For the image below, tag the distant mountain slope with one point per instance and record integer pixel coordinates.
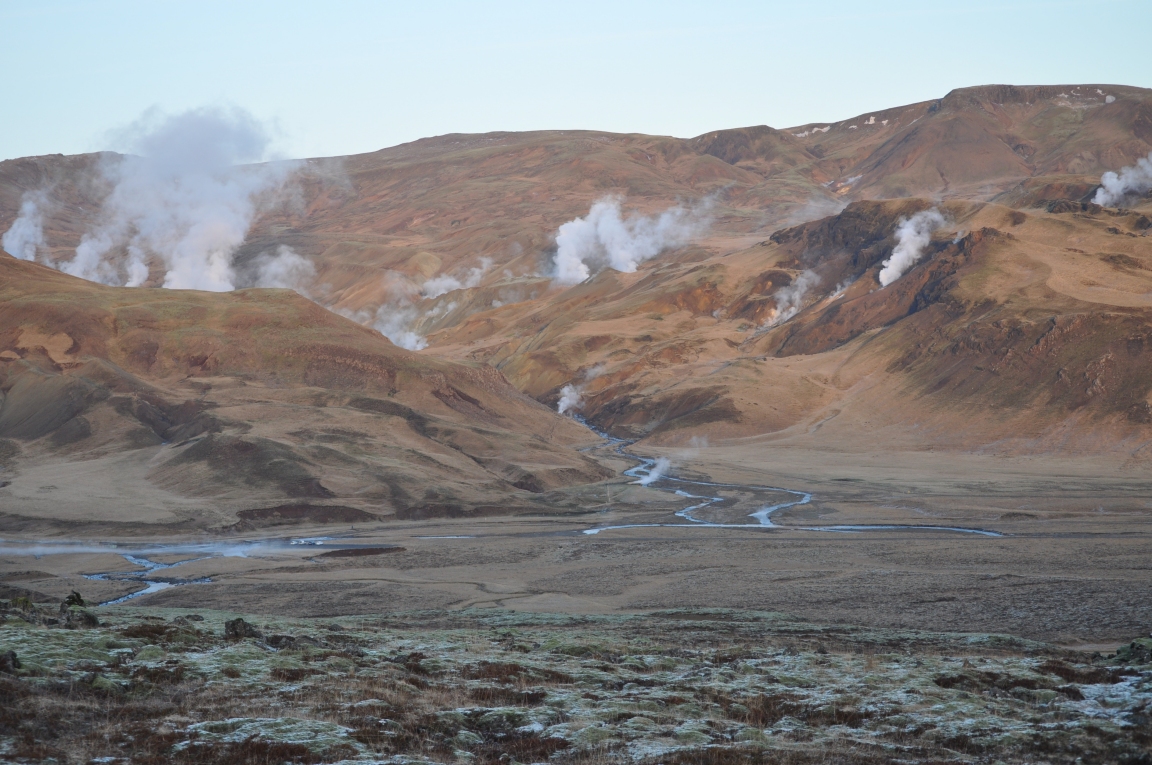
(977, 142)
(437, 206)
(694, 343)
(1040, 317)
(197, 405)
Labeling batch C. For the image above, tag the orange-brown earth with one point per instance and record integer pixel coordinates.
(1002, 314)
(1029, 302)
(438, 205)
(1003, 382)
(125, 406)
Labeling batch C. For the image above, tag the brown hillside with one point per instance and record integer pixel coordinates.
(438, 205)
(1029, 302)
(194, 405)
(1001, 313)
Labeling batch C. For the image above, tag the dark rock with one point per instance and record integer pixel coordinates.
(281, 641)
(78, 618)
(238, 629)
(75, 599)
(9, 663)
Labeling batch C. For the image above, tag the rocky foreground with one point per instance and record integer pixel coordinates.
(128, 685)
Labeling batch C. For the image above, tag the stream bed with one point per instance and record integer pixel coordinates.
(154, 574)
(648, 472)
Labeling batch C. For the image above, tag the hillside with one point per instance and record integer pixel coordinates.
(194, 409)
(1000, 315)
(769, 323)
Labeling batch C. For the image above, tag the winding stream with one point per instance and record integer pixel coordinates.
(643, 471)
(149, 568)
(153, 574)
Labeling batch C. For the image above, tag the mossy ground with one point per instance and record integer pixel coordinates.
(164, 686)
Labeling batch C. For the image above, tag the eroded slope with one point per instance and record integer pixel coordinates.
(183, 407)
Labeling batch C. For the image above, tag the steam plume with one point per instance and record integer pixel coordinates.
(181, 198)
(570, 399)
(286, 269)
(396, 322)
(399, 317)
(1132, 181)
(790, 299)
(912, 236)
(656, 472)
(842, 287)
(440, 285)
(396, 318)
(26, 234)
(606, 239)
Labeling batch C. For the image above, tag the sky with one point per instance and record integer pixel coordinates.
(334, 78)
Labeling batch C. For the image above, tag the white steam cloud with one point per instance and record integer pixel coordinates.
(606, 239)
(570, 399)
(843, 286)
(1132, 181)
(395, 322)
(398, 316)
(656, 472)
(572, 394)
(287, 269)
(443, 284)
(26, 235)
(790, 299)
(181, 198)
(912, 236)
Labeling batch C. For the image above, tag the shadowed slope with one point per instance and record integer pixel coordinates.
(249, 397)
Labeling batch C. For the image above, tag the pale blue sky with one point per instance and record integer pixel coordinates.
(344, 77)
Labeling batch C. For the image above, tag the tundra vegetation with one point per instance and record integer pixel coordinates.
(133, 685)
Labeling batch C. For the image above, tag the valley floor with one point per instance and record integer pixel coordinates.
(1070, 565)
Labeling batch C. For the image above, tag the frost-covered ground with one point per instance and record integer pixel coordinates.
(155, 686)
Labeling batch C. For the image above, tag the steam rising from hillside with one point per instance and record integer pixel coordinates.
(572, 394)
(182, 198)
(1132, 181)
(26, 235)
(606, 239)
(395, 323)
(401, 316)
(444, 283)
(570, 399)
(397, 317)
(912, 236)
(287, 269)
(790, 299)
